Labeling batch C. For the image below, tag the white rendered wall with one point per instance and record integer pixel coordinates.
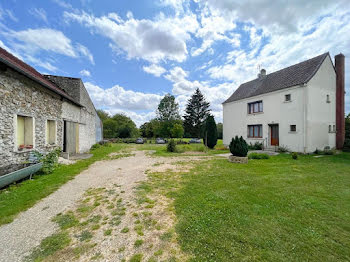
(321, 114)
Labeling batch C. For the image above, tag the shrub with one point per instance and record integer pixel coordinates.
(171, 147)
(347, 145)
(50, 161)
(258, 156)
(255, 146)
(95, 146)
(328, 152)
(294, 155)
(210, 133)
(283, 149)
(238, 147)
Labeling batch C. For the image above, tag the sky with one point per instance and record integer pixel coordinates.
(129, 54)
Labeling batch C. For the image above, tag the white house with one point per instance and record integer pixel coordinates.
(300, 107)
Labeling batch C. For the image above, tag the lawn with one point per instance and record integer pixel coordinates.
(267, 210)
(20, 197)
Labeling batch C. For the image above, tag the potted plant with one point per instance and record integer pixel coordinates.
(29, 146)
(21, 147)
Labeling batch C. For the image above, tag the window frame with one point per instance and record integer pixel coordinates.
(28, 134)
(252, 107)
(260, 131)
(51, 141)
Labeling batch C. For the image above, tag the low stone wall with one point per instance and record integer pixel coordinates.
(237, 159)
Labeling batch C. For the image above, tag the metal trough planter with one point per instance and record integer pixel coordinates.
(19, 174)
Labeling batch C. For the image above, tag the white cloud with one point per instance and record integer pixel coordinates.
(39, 13)
(277, 15)
(85, 72)
(7, 13)
(154, 70)
(153, 40)
(214, 28)
(63, 4)
(32, 42)
(119, 98)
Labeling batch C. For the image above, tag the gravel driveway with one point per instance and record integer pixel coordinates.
(18, 238)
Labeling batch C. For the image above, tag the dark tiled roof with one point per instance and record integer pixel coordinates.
(25, 69)
(290, 76)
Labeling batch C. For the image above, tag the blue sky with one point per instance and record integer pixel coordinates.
(130, 53)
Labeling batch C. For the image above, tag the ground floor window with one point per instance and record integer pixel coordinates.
(51, 132)
(255, 131)
(25, 133)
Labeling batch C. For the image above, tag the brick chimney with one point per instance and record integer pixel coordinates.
(340, 100)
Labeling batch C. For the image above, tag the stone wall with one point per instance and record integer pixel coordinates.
(87, 129)
(85, 116)
(21, 96)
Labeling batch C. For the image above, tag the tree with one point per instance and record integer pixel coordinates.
(220, 128)
(347, 134)
(103, 115)
(168, 109)
(197, 111)
(110, 128)
(210, 132)
(125, 126)
(177, 131)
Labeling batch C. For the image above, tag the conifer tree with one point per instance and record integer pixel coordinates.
(197, 111)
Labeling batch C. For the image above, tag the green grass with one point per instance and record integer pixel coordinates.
(138, 243)
(65, 221)
(49, 246)
(16, 199)
(160, 150)
(136, 258)
(278, 209)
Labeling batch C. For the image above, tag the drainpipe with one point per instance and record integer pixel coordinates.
(305, 133)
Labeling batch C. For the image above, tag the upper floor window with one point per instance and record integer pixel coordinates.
(293, 128)
(255, 131)
(25, 134)
(255, 107)
(287, 98)
(328, 100)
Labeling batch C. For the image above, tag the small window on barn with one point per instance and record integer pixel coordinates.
(287, 98)
(328, 100)
(51, 132)
(293, 128)
(25, 132)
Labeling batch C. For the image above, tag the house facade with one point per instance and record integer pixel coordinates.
(35, 114)
(299, 107)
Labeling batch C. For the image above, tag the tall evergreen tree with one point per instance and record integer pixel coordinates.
(210, 132)
(197, 111)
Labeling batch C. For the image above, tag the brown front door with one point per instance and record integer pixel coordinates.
(274, 135)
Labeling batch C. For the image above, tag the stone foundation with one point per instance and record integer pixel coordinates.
(237, 159)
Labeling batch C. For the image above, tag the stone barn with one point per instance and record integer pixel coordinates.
(40, 113)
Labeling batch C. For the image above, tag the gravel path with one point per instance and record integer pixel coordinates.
(18, 238)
